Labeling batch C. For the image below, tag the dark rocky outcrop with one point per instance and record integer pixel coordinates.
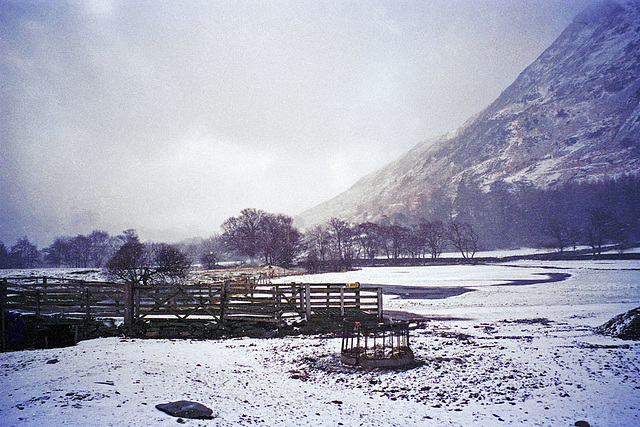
(625, 326)
(186, 409)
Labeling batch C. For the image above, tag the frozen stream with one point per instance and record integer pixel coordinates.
(555, 289)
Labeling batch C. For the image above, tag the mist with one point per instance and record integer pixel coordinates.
(169, 117)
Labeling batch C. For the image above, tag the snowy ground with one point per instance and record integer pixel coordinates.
(496, 354)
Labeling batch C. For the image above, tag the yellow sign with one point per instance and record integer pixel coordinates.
(353, 285)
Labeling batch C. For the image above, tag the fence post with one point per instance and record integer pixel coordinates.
(328, 298)
(136, 305)
(278, 302)
(342, 302)
(357, 329)
(307, 300)
(294, 299)
(87, 306)
(3, 304)
(128, 305)
(380, 303)
(300, 298)
(38, 302)
(223, 299)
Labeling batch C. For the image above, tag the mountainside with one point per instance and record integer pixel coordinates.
(573, 116)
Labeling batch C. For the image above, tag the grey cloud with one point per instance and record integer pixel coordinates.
(165, 115)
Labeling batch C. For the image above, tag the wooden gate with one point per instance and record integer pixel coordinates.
(207, 302)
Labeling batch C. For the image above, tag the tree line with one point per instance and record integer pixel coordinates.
(336, 244)
(97, 248)
(254, 235)
(508, 215)
(273, 239)
(599, 215)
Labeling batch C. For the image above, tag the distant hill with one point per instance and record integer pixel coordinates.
(569, 123)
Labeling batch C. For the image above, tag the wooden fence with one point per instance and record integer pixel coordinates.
(330, 300)
(47, 296)
(218, 302)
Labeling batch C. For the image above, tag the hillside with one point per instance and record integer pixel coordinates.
(571, 118)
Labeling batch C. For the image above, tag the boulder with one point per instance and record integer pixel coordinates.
(186, 409)
(625, 326)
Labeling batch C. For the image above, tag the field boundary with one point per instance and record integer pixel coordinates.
(215, 304)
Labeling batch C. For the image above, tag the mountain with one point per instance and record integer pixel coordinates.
(571, 118)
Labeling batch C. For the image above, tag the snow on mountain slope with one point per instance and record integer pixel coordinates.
(571, 116)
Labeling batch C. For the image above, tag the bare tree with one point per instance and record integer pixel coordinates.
(100, 247)
(562, 233)
(146, 264)
(257, 233)
(59, 253)
(368, 235)
(463, 238)
(317, 242)
(350, 249)
(80, 251)
(211, 250)
(244, 234)
(4, 256)
(338, 233)
(434, 235)
(171, 264)
(128, 235)
(600, 229)
(92, 250)
(414, 245)
(281, 240)
(395, 240)
(24, 254)
(130, 263)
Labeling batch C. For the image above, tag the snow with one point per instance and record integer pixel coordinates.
(89, 274)
(496, 355)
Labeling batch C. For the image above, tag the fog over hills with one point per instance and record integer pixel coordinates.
(170, 119)
(572, 118)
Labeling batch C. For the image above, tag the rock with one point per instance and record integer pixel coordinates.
(582, 424)
(625, 326)
(186, 409)
(52, 361)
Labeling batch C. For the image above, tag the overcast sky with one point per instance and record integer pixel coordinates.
(171, 116)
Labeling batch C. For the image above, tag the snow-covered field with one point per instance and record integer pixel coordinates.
(501, 352)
